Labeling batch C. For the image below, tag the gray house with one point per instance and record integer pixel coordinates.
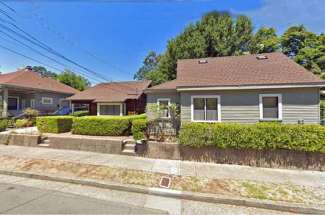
(25, 88)
(243, 89)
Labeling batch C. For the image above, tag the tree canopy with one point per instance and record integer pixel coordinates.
(73, 80)
(220, 34)
(44, 72)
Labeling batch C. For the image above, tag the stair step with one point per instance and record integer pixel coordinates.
(128, 152)
(45, 141)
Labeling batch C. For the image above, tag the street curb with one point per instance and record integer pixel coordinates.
(202, 197)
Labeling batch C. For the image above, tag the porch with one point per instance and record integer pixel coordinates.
(13, 100)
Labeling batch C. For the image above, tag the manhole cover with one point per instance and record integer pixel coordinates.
(165, 182)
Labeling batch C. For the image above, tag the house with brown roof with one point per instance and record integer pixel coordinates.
(25, 88)
(113, 98)
(241, 89)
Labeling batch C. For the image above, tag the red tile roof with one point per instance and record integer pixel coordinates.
(29, 79)
(244, 70)
(113, 91)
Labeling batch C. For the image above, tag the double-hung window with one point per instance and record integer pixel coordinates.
(163, 107)
(206, 109)
(270, 107)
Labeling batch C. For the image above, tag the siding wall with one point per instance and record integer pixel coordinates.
(243, 106)
(153, 97)
(38, 100)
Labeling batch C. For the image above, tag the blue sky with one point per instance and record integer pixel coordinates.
(119, 35)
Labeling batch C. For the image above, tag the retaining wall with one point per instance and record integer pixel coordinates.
(261, 158)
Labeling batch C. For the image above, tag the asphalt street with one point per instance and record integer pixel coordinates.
(17, 199)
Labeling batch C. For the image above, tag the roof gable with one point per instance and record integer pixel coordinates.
(113, 91)
(29, 79)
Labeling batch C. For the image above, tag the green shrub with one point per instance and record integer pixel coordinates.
(22, 123)
(3, 124)
(80, 113)
(139, 127)
(54, 124)
(104, 125)
(30, 113)
(309, 138)
(322, 109)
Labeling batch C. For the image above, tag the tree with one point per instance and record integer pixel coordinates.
(216, 34)
(313, 57)
(265, 40)
(296, 38)
(44, 72)
(73, 80)
(149, 65)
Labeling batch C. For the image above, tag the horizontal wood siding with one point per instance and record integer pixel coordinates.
(243, 106)
(153, 97)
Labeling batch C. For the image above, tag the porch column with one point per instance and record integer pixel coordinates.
(5, 102)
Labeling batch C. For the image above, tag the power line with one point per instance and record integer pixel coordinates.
(46, 26)
(7, 6)
(40, 44)
(40, 53)
(30, 58)
(37, 42)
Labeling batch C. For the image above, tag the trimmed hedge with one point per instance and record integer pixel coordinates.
(139, 127)
(80, 113)
(104, 125)
(54, 124)
(309, 138)
(3, 124)
(322, 109)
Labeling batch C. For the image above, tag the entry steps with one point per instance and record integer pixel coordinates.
(44, 142)
(128, 147)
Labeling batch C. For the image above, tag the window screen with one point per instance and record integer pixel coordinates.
(270, 107)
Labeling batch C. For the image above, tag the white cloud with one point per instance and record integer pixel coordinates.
(283, 13)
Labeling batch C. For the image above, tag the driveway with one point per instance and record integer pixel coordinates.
(28, 200)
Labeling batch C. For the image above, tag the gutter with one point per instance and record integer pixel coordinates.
(182, 89)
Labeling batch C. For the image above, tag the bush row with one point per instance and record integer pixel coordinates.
(310, 138)
(54, 124)
(3, 124)
(90, 125)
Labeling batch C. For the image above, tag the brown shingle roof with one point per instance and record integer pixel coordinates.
(113, 91)
(244, 70)
(29, 79)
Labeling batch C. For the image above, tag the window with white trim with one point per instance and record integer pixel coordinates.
(47, 100)
(205, 109)
(163, 106)
(110, 109)
(271, 107)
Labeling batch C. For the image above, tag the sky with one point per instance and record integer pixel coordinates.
(110, 38)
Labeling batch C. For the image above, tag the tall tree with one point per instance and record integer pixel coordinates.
(149, 65)
(296, 38)
(216, 34)
(265, 40)
(73, 80)
(312, 56)
(43, 71)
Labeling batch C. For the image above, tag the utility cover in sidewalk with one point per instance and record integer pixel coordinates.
(165, 182)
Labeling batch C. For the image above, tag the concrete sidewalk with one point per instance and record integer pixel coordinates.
(175, 167)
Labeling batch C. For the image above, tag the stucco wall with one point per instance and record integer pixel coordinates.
(243, 105)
